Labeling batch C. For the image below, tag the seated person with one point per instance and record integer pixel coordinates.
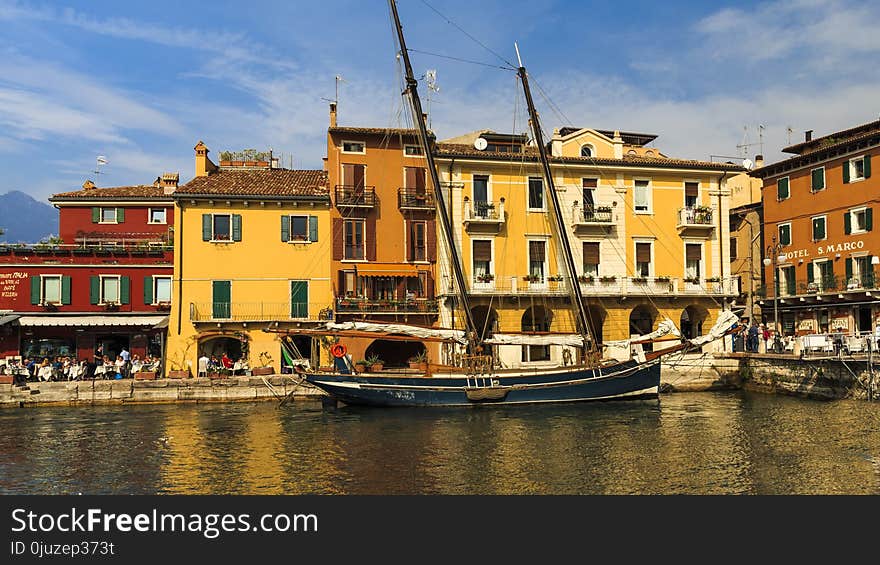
(227, 362)
(136, 363)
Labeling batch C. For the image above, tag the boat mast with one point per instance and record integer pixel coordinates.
(416, 105)
(574, 291)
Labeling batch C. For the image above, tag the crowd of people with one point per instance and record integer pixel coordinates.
(66, 368)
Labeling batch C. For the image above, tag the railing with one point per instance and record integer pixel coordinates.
(92, 246)
(412, 199)
(822, 285)
(478, 211)
(697, 216)
(355, 196)
(592, 215)
(607, 285)
(370, 306)
(252, 311)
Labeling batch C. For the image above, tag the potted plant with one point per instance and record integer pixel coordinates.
(639, 280)
(662, 279)
(713, 280)
(485, 277)
(163, 306)
(692, 280)
(265, 367)
(419, 361)
(111, 306)
(143, 375)
(361, 366)
(608, 279)
(375, 363)
(532, 278)
(555, 278)
(586, 278)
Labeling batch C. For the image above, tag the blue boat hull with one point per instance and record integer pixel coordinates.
(624, 381)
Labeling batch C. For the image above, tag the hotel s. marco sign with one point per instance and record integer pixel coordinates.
(823, 250)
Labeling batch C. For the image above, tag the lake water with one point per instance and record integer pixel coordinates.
(688, 443)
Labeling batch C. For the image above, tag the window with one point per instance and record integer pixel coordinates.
(157, 216)
(817, 179)
(784, 234)
(788, 280)
(825, 273)
(161, 290)
(691, 194)
(536, 319)
(222, 227)
(354, 239)
(417, 243)
(782, 191)
(819, 228)
(299, 229)
(863, 273)
(109, 290)
(352, 284)
(859, 220)
(733, 249)
(110, 216)
(482, 259)
(586, 150)
(413, 151)
(643, 260)
(536, 194)
(642, 196)
(51, 289)
(221, 299)
(299, 299)
(857, 169)
(353, 147)
(693, 254)
(537, 256)
(591, 258)
(481, 188)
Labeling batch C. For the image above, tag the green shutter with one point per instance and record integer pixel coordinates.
(120, 215)
(36, 281)
(848, 269)
(867, 166)
(869, 219)
(207, 228)
(313, 228)
(236, 227)
(148, 290)
(782, 189)
(845, 172)
(94, 290)
(65, 290)
(222, 293)
(285, 228)
(818, 179)
(810, 272)
(847, 223)
(299, 299)
(124, 290)
(96, 214)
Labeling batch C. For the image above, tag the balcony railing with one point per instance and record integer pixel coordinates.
(592, 216)
(484, 213)
(253, 311)
(125, 247)
(346, 305)
(412, 199)
(355, 196)
(695, 217)
(825, 285)
(606, 285)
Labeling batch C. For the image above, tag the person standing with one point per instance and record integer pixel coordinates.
(752, 341)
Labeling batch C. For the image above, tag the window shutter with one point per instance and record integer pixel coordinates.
(94, 290)
(845, 172)
(848, 268)
(236, 227)
(482, 251)
(429, 286)
(313, 228)
(338, 239)
(207, 228)
(591, 253)
(692, 189)
(347, 175)
(96, 214)
(643, 252)
(818, 179)
(148, 290)
(431, 240)
(371, 237)
(869, 219)
(589, 183)
(867, 166)
(782, 189)
(120, 215)
(536, 251)
(285, 228)
(124, 290)
(409, 228)
(847, 223)
(693, 252)
(36, 281)
(810, 272)
(409, 177)
(65, 290)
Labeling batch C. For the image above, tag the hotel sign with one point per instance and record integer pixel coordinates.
(827, 249)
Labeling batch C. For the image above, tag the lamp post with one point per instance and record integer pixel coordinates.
(773, 257)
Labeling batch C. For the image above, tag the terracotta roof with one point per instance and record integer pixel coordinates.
(531, 154)
(835, 138)
(832, 148)
(271, 183)
(378, 131)
(139, 192)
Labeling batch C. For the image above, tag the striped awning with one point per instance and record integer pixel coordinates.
(5, 319)
(387, 270)
(87, 320)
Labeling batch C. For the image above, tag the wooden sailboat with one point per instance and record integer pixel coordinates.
(475, 380)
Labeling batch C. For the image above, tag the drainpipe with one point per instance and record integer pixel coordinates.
(178, 233)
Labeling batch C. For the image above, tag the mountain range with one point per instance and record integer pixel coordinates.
(24, 219)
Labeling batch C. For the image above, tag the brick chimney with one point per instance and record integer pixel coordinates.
(169, 182)
(808, 135)
(204, 165)
(88, 185)
(333, 114)
(759, 161)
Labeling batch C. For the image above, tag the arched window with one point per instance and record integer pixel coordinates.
(586, 150)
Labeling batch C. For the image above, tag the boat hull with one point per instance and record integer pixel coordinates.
(625, 381)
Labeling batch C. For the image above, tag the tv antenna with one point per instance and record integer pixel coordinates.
(744, 146)
(430, 77)
(336, 99)
(789, 131)
(100, 161)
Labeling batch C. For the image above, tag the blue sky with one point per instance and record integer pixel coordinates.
(141, 83)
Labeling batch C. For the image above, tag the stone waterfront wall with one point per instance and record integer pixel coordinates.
(128, 391)
(821, 379)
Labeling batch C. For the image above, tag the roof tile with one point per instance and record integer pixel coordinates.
(259, 182)
(114, 193)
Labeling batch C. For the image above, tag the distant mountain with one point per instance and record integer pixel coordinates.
(25, 220)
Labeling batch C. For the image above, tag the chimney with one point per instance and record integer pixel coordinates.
(556, 144)
(169, 182)
(808, 135)
(618, 145)
(333, 114)
(204, 166)
(88, 185)
(759, 161)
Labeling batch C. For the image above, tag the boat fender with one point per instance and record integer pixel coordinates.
(338, 351)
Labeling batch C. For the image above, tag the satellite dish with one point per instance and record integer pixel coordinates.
(747, 163)
(480, 144)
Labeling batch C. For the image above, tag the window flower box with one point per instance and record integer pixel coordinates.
(586, 278)
(485, 278)
(532, 278)
(639, 280)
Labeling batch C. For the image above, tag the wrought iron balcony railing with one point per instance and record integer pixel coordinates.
(412, 199)
(355, 196)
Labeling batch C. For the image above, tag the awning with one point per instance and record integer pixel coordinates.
(5, 319)
(163, 324)
(387, 270)
(86, 320)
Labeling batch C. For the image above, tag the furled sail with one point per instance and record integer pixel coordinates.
(665, 327)
(415, 331)
(571, 340)
(726, 319)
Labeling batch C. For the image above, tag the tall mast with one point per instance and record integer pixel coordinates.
(574, 291)
(412, 93)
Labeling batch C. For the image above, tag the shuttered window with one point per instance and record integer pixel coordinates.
(819, 228)
(691, 194)
(782, 191)
(299, 299)
(817, 179)
(641, 196)
(354, 239)
(536, 194)
(591, 258)
(537, 251)
(482, 250)
(784, 234)
(643, 259)
(221, 299)
(693, 252)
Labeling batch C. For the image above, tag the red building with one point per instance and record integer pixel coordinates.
(106, 284)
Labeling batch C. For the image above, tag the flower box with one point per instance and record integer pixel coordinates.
(145, 376)
(607, 279)
(7, 379)
(178, 374)
(262, 371)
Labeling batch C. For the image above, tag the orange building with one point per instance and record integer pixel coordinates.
(384, 234)
(819, 234)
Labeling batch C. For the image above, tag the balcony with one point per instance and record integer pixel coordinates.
(592, 217)
(483, 216)
(254, 312)
(355, 196)
(695, 220)
(605, 285)
(92, 248)
(412, 199)
(826, 289)
(355, 305)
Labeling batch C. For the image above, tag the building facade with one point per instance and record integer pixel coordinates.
(644, 230)
(747, 243)
(821, 247)
(253, 253)
(104, 285)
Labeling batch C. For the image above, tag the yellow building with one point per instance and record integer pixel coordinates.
(252, 251)
(644, 231)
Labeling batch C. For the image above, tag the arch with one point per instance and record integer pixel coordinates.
(587, 150)
(691, 321)
(486, 319)
(596, 315)
(641, 322)
(220, 344)
(536, 319)
(395, 354)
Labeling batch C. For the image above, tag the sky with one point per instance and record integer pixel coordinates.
(140, 83)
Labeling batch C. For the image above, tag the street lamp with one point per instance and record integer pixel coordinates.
(773, 257)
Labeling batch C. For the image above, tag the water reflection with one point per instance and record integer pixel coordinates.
(724, 443)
